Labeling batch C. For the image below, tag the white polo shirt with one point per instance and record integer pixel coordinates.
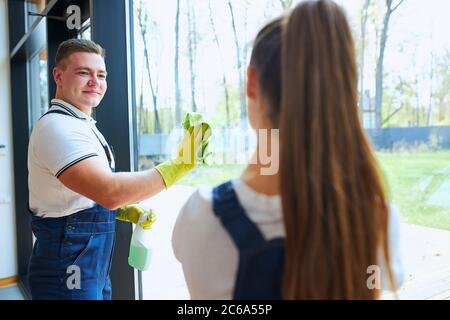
(58, 142)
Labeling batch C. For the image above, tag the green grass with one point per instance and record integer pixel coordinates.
(412, 178)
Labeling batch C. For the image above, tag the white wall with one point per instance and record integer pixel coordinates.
(8, 246)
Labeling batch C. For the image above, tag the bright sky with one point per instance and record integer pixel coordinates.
(417, 28)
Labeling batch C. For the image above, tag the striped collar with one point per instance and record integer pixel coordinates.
(73, 111)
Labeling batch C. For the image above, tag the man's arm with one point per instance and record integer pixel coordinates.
(93, 180)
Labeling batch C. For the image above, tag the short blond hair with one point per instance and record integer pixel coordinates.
(67, 47)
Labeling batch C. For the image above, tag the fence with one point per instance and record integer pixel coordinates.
(389, 138)
(237, 142)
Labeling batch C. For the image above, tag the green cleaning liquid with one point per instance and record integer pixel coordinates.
(139, 256)
(140, 252)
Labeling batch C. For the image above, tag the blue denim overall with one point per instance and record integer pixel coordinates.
(261, 261)
(72, 255)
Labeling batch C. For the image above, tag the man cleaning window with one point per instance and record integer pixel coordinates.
(74, 190)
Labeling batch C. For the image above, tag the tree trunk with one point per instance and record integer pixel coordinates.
(177, 80)
(224, 78)
(192, 43)
(140, 115)
(380, 63)
(141, 106)
(417, 102)
(154, 96)
(143, 27)
(393, 113)
(240, 71)
(364, 17)
(430, 102)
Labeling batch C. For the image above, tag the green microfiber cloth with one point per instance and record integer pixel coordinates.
(193, 119)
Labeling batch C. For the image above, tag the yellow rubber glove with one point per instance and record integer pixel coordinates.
(148, 221)
(135, 214)
(130, 213)
(190, 152)
(193, 119)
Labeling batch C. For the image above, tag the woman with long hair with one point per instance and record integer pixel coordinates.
(322, 227)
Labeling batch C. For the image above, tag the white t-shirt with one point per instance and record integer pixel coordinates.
(208, 254)
(58, 142)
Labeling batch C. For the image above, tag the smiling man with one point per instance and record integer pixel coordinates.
(73, 187)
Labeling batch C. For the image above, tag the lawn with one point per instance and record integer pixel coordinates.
(419, 184)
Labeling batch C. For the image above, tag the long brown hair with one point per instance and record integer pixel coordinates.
(334, 205)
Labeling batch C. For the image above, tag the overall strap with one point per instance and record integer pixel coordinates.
(242, 230)
(105, 146)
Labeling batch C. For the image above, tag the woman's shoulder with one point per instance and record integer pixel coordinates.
(195, 223)
(198, 204)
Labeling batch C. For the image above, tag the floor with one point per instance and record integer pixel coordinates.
(164, 280)
(11, 293)
(426, 256)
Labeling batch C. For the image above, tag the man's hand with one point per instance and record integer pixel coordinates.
(147, 222)
(130, 213)
(194, 147)
(135, 214)
(192, 150)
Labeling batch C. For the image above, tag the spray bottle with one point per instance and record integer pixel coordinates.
(140, 248)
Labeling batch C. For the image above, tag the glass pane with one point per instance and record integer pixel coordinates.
(203, 68)
(36, 7)
(38, 86)
(85, 31)
(194, 57)
(210, 79)
(409, 126)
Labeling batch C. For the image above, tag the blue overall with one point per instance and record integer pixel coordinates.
(261, 262)
(72, 255)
